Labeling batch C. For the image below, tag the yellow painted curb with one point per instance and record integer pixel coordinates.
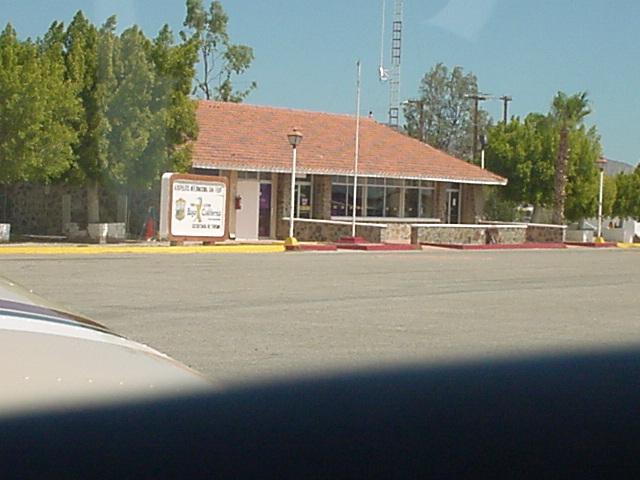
(628, 245)
(135, 249)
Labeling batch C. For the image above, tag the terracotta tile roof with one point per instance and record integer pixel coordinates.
(247, 137)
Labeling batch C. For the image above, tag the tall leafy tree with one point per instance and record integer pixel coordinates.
(627, 202)
(136, 111)
(582, 174)
(221, 59)
(133, 124)
(150, 113)
(568, 112)
(175, 70)
(523, 151)
(37, 108)
(443, 115)
(88, 59)
(106, 110)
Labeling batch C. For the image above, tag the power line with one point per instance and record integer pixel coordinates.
(481, 97)
(477, 98)
(505, 108)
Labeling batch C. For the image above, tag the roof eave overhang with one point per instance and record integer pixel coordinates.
(315, 171)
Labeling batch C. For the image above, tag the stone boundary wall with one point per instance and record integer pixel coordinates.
(546, 233)
(468, 234)
(397, 233)
(310, 231)
(38, 209)
(5, 232)
(540, 232)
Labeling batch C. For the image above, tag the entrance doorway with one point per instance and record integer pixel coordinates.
(264, 221)
(248, 192)
(453, 206)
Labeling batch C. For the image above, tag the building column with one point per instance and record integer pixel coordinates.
(472, 198)
(467, 207)
(273, 224)
(441, 201)
(322, 197)
(232, 177)
(283, 202)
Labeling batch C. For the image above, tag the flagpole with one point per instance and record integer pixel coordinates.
(357, 153)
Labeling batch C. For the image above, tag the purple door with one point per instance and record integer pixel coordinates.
(264, 221)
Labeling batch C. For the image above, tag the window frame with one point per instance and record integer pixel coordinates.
(386, 184)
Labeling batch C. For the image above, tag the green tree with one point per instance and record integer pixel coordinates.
(443, 115)
(88, 60)
(150, 113)
(36, 109)
(175, 70)
(568, 113)
(129, 111)
(221, 59)
(522, 151)
(627, 204)
(136, 111)
(610, 196)
(582, 174)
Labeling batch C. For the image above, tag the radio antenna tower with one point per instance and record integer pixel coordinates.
(382, 72)
(396, 60)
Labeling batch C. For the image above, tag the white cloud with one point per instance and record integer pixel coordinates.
(465, 18)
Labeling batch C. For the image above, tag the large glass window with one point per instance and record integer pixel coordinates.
(392, 201)
(303, 200)
(426, 203)
(339, 200)
(411, 202)
(379, 197)
(375, 201)
(359, 202)
(342, 197)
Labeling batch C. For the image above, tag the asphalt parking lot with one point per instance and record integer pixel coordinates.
(240, 317)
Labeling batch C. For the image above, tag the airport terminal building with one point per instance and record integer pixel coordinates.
(401, 181)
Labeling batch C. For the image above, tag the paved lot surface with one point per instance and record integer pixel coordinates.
(241, 317)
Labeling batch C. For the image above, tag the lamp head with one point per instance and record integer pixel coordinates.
(295, 138)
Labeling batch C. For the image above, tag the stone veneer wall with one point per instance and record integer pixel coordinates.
(440, 210)
(38, 210)
(330, 232)
(322, 197)
(546, 233)
(472, 198)
(282, 205)
(397, 233)
(539, 232)
(468, 235)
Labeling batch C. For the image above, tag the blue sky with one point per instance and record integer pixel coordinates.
(306, 50)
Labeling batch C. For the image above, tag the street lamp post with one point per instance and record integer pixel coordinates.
(295, 138)
(601, 163)
(483, 145)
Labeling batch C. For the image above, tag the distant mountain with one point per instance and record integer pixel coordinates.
(613, 167)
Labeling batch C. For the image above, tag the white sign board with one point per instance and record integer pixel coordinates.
(194, 207)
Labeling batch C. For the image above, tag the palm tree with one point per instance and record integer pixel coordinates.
(567, 112)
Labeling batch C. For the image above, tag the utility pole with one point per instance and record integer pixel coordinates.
(476, 109)
(505, 109)
(421, 121)
(419, 104)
